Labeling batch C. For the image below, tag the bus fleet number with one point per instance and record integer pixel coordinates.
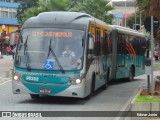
(30, 78)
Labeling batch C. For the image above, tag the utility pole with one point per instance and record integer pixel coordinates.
(140, 19)
(152, 49)
(135, 18)
(125, 14)
(151, 24)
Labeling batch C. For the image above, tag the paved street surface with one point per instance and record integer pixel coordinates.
(6, 64)
(112, 99)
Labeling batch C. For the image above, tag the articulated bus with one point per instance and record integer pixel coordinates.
(101, 53)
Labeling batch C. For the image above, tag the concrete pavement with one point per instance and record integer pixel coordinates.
(156, 72)
(6, 64)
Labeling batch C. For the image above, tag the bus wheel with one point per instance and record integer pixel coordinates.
(34, 96)
(87, 97)
(131, 74)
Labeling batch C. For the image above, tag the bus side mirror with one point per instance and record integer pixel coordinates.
(91, 42)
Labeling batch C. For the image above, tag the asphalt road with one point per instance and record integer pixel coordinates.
(114, 98)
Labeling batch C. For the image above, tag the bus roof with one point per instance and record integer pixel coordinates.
(127, 30)
(58, 18)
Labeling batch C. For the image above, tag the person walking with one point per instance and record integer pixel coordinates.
(156, 55)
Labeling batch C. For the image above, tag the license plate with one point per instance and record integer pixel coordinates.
(45, 91)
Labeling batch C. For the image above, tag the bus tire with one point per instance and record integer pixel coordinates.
(87, 97)
(131, 74)
(34, 96)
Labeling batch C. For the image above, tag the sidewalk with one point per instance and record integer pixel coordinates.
(156, 72)
(6, 64)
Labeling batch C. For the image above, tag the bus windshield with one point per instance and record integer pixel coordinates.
(50, 49)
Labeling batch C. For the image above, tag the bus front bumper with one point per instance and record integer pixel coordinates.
(78, 90)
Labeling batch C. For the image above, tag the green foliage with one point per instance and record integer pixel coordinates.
(131, 20)
(96, 8)
(35, 11)
(57, 5)
(23, 7)
(149, 7)
(51, 5)
(144, 6)
(73, 3)
(147, 99)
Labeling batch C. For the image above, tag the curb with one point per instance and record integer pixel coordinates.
(126, 108)
(4, 80)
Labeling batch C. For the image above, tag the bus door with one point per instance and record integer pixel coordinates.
(121, 46)
(107, 51)
(98, 50)
(138, 51)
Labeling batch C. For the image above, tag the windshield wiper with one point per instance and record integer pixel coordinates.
(26, 54)
(54, 55)
(25, 45)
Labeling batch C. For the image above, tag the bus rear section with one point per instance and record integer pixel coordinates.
(130, 49)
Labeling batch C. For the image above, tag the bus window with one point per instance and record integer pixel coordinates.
(105, 44)
(121, 50)
(37, 43)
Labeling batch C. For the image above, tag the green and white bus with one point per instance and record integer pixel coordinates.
(101, 53)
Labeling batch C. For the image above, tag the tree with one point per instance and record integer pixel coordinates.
(131, 20)
(96, 8)
(51, 5)
(149, 7)
(73, 3)
(23, 7)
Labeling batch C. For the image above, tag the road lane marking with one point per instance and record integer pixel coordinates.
(4, 82)
(126, 106)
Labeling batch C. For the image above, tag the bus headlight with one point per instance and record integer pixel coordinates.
(76, 81)
(15, 77)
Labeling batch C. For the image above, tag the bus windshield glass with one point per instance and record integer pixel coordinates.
(50, 49)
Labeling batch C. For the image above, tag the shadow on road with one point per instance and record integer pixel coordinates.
(73, 101)
(121, 81)
(55, 100)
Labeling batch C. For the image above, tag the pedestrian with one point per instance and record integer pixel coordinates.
(156, 55)
(13, 51)
(3, 34)
(9, 50)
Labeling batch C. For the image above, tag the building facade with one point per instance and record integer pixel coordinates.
(123, 10)
(8, 23)
(8, 11)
